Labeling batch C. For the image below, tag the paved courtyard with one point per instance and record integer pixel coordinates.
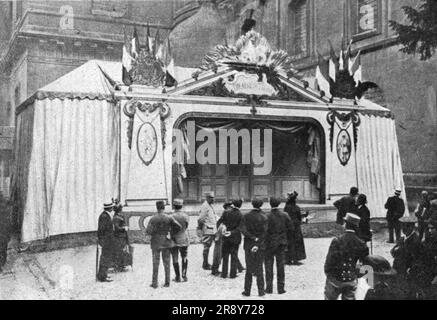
(70, 274)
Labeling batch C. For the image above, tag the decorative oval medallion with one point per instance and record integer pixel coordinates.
(344, 147)
(147, 143)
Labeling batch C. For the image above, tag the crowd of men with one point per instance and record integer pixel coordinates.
(269, 236)
(415, 254)
(274, 234)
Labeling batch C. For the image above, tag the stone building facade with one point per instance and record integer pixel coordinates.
(42, 40)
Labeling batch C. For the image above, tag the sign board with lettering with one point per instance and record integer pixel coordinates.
(247, 83)
(367, 14)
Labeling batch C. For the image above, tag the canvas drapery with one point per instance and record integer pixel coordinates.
(379, 167)
(66, 165)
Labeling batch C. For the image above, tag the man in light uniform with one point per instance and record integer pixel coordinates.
(208, 224)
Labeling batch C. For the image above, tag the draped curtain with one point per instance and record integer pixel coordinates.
(66, 165)
(379, 167)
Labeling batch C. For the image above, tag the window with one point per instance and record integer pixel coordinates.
(298, 34)
(366, 18)
(17, 95)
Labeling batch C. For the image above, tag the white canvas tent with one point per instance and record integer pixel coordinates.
(71, 140)
(66, 152)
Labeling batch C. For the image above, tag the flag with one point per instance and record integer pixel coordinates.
(348, 53)
(355, 68)
(322, 76)
(156, 43)
(341, 61)
(126, 61)
(170, 77)
(149, 43)
(135, 49)
(333, 63)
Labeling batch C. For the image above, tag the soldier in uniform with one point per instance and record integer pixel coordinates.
(105, 235)
(341, 261)
(181, 241)
(231, 219)
(159, 228)
(279, 227)
(207, 222)
(254, 228)
(395, 210)
(346, 204)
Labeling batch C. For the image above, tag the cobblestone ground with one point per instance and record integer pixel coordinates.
(70, 274)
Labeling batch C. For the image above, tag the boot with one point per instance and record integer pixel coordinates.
(176, 271)
(206, 265)
(184, 270)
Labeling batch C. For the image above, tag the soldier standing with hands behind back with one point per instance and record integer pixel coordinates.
(254, 228)
(160, 227)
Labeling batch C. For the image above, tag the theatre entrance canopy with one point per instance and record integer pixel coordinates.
(85, 139)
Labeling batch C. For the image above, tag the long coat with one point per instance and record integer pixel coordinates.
(160, 228)
(395, 208)
(364, 226)
(406, 253)
(296, 245)
(105, 236)
(345, 205)
(254, 228)
(208, 219)
(279, 228)
(343, 255)
(232, 220)
(120, 239)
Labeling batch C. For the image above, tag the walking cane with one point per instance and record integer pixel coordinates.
(97, 259)
(371, 242)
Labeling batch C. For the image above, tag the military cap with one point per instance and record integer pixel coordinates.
(379, 265)
(209, 194)
(408, 220)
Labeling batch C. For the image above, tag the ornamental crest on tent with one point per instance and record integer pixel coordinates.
(147, 70)
(251, 51)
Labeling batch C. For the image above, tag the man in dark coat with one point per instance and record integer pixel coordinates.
(395, 210)
(231, 219)
(346, 204)
(160, 228)
(363, 212)
(341, 261)
(181, 241)
(296, 246)
(407, 254)
(279, 227)
(422, 213)
(254, 228)
(5, 230)
(105, 236)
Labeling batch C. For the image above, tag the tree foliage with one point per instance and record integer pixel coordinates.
(420, 35)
